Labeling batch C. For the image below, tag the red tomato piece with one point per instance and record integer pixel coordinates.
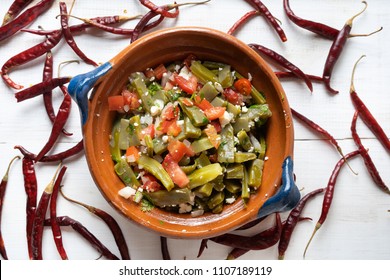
(149, 130)
(177, 149)
(213, 136)
(175, 172)
(159, 71)
(131, 99)
(214, 113)
(132, 154)
(243, 86)
(170, 112)
(203, 104)
(217, 125)
(233, 97)
(116, 103)
(150, 183)
(189, 86)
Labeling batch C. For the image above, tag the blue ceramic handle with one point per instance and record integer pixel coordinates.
(80, 85)
(287, 196)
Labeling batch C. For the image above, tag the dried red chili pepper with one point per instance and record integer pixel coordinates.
(15, 9)
(55, 227)
(316, 27)
(238, 252)
(336, 50)
(255, 242)
(241, 21)
(84, 232)
(69, 37)
(292, 221)
(269, 17)
(288, 74)
(280, 60)
(40, 88)
(27, 56)
(202, 247)
(329, 192)
(321, 131)
(106, 27)
(3, 187)
(59, 123)
(54, 157)
(30, 187)
(369, 163)
(24, 19)
(366, 115)
(164, 248)
(38, 225)
(161, 10)
(110, 222)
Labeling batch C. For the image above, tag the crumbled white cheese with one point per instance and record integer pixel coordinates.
(184, 208)
(126, 192)
(218, 87)
(226, 118)
(165, 138)
(197, 213)
(230, 200)
(155, 110)
(244, 109)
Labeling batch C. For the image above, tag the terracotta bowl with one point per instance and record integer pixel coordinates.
(276, 194)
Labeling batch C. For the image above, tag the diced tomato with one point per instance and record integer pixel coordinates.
(170, 127)
(189, 86)
(159, 71)
(213, 136)
(178, 149)
(116, 103)
(170, 112)
(187, 102)
(243, 86)
(150, 183)
(168, 86)
(149, 73)
(132, 154)
(175, 172)
(233, 97)
(203, 104)
(217, 125)
(149, 130)
(131, 99)
(214, 113)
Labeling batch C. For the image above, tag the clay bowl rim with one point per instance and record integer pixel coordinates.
(160, 221)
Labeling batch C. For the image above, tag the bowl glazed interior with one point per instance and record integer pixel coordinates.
(163, 47)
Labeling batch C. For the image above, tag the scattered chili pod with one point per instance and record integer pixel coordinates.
(47, 75)
(255, 242)
(110, 222)
(288, 74)
(69, 37)
(241, 21)
(24, 19)
(159, 9)
(315, 27)
(27, 56)
(38, 225)
(59, 123)
(3, 187)
(15, 9)
(30, 187)
(84, 232)
(202, 247)
(106, 27)
(336, 50)
(282, 61)
(292, 221)
(366, 115)
(54, 157)
(55, 227)
(268, 233)
(40, 88)
(369, 163)
(269, 17)
(164, 248)
(140, 27)
(329, 192)
(252, 223)
(320, 131)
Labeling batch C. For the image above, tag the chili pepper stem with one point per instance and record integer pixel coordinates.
(5, 177)
(350, 21)
(346, 161)
(366, 35)
(90, 21)
(352, 86)
(50, 186)
(172, 6)
(88, 207)
(317, 227)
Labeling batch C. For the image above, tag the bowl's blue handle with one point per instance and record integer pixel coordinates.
(80, 85)
(287, 196)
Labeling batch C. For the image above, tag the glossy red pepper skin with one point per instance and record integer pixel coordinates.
(24, 19)
(15, 9)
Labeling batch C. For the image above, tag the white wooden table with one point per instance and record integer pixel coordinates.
(358, 224)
